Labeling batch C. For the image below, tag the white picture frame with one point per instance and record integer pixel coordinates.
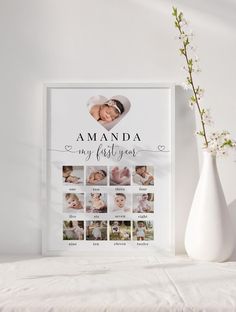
(60, 111)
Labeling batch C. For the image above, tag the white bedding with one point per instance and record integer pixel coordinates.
(151, 283)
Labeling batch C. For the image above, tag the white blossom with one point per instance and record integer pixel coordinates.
(198, 70)
(206, 117)
(184, 68)
(200, 93)
(195, 58)
(183, 23)
(190, 34)
(183, 36)
(220, 143)
(186, 85)
(192, 48)
(191, 104)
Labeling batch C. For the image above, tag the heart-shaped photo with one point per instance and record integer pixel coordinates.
(108, 111)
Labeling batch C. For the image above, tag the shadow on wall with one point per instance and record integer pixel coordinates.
(186, 164)
(20, 226)
(224, 11)
(232, 210)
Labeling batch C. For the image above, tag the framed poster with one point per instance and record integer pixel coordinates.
(108, 168)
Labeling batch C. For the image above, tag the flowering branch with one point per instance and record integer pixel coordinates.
(215, 142)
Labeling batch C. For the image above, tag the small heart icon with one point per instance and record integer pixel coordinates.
(161, 148)
(108, 112)
(68, 148)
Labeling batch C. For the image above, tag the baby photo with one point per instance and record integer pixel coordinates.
(120, 230)
(120, 176)
(96, 175)
(73, 174)
(108, 111)
(143, 230)
(120, 202)
(143, 203)
(143, 175)
(96, 230)
(73, 230)
(96, 203)
(73, 202)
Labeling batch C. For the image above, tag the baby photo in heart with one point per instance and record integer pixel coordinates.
(108, 111)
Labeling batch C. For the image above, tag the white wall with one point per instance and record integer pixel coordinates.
(100, 40)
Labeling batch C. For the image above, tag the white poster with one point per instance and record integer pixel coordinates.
(108, 168)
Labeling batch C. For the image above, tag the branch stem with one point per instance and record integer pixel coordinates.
(190, 78)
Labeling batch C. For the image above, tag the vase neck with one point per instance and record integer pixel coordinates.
(209, 159)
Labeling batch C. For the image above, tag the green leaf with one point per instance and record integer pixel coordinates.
(189, 80)
(227, 142)
(174, 11)
(190, 62)
(186, 42)
(193, 98)
(200, 133)
(180, 16)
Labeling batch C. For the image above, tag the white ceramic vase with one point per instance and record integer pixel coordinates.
(209, 232)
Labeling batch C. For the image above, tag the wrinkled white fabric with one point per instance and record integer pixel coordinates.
(115, 284)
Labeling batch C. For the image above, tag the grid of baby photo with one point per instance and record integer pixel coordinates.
(108, 203)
